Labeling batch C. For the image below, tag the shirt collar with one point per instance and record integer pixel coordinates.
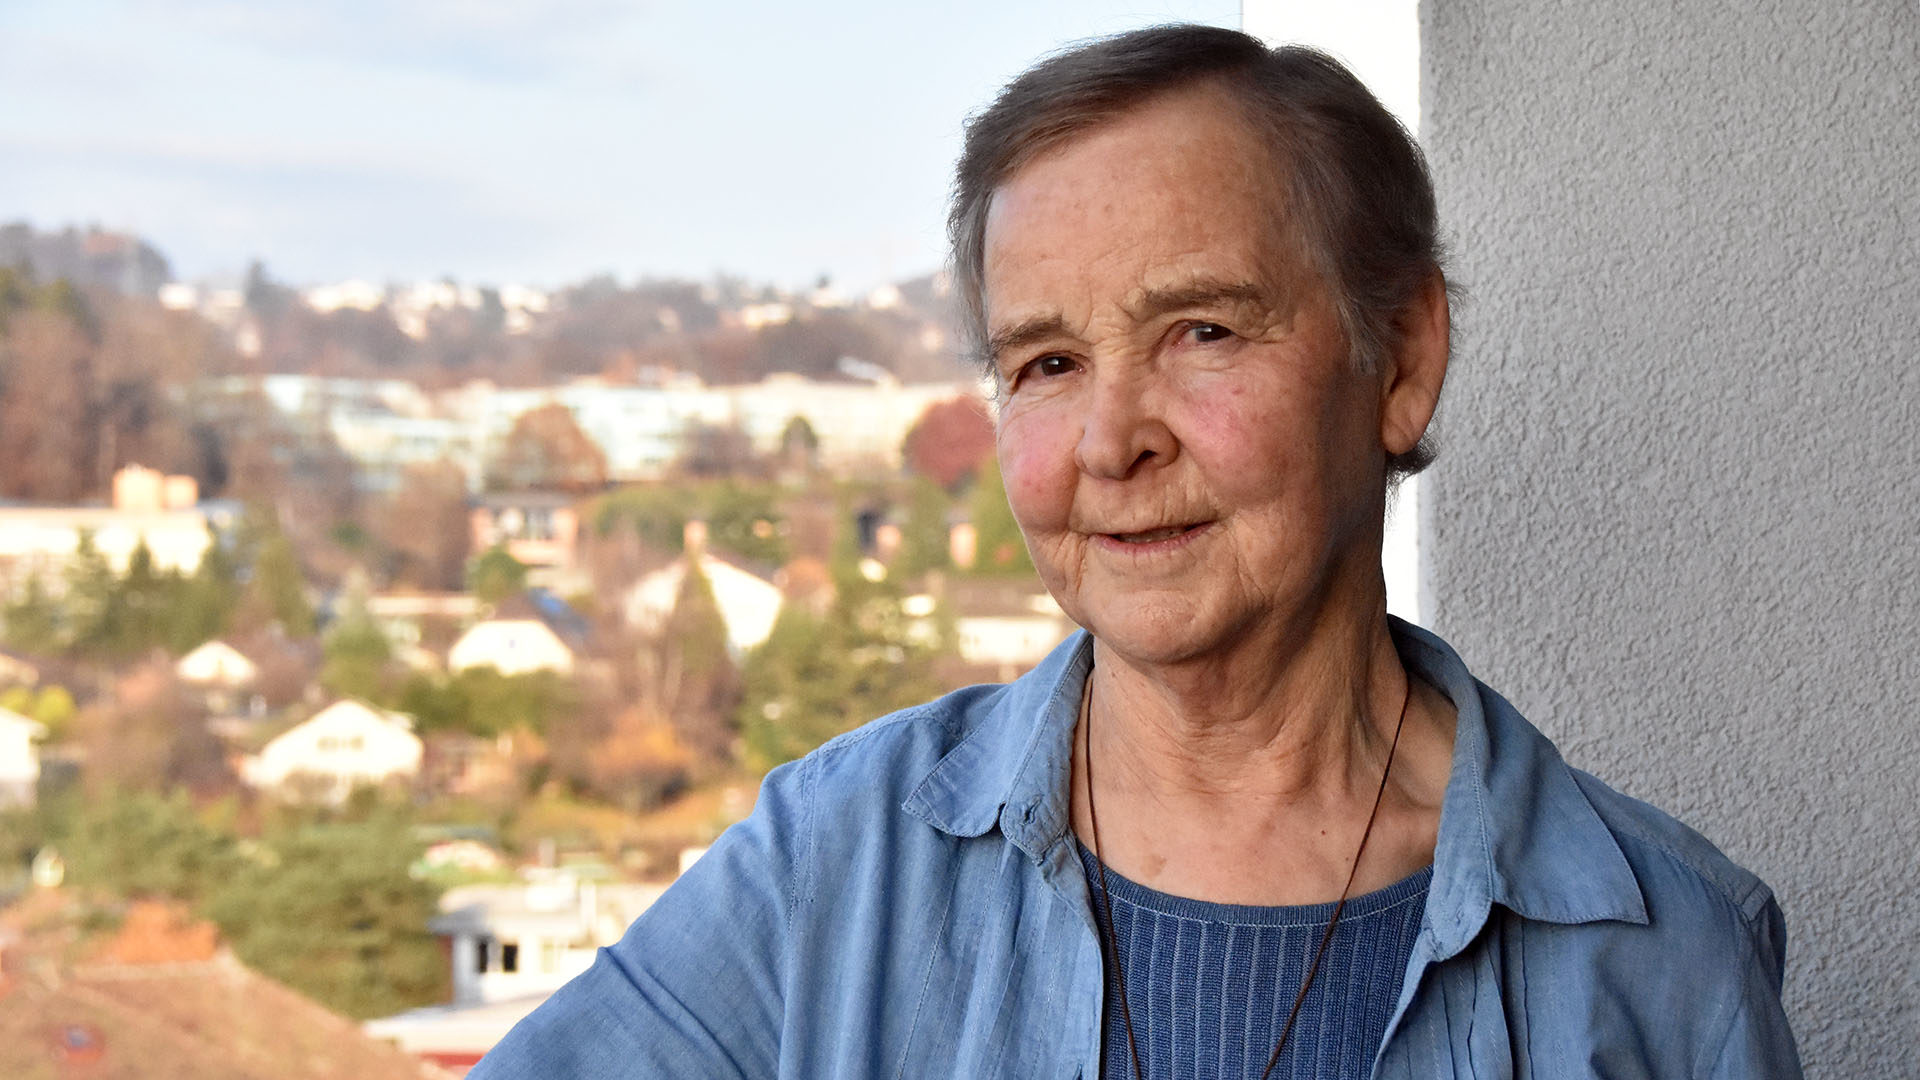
(1515, 828)
(1014, 766)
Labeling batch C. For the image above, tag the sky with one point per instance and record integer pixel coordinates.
(536, 141)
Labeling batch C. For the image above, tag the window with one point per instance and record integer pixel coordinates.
(509, 957)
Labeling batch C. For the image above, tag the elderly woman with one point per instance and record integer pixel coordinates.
(1246, 824)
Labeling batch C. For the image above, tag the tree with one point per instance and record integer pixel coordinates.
(333, 911)
(495, 574)
(202, 608)
(146, 845)
(640, 762)
(547, 451)
(148, 735)
(357, 655)
(482, 701)
(697, 686)
(741, 518)
(279, 588)
(923, 540)
(425, 526)
(94, 604)
(815, 677)
(949, 442)
(799, 446)
(144, 598)
(32, 621)
(1001, 548)
(716, 450)
(47, 447)
(52, 707)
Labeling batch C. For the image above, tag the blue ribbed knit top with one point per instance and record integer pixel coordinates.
(1209, 985)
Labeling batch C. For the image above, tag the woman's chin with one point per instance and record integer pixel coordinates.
(1156, 632)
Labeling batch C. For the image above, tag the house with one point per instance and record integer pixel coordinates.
(511, 946)
(342, 746)
(19, 758)
(1001, 628)
(537, 528)
(511, 646)
(162, 1000)
(748, 603)
(216, 665)
(422, 618)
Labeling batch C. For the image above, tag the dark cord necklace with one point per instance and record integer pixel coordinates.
(1112, 941)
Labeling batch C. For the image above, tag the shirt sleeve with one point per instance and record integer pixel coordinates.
(696, 987)
(1759, 1045)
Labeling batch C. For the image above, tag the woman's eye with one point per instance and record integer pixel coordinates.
(1049, 366)
(1207, 333)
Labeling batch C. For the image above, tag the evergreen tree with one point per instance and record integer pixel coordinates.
(144, 600)
(278, 586)
(495, 575)
(357, 653)
(94, 603)
(923, 542)
(1001, 550)
(699, 688)
(333, 911)
(204, 601)
(32, 622)
(814, 678)
(147, 846)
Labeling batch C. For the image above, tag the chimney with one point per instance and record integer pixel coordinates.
(138, 489)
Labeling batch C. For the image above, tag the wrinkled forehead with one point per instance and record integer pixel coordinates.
(1178, 189)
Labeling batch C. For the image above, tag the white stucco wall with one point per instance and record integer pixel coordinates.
(514, 646)
(19, 758)
(1674, 517)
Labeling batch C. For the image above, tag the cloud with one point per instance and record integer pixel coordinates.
(484, 40)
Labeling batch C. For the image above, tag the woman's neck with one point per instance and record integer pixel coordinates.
(1248, 777)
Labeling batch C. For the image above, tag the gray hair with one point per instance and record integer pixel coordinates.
(1355, 182)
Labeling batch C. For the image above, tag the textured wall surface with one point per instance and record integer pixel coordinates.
(1677, 512)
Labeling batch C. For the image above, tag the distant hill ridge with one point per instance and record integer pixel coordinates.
(91, 257)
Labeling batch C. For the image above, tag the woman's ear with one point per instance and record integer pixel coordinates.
(1415, 368)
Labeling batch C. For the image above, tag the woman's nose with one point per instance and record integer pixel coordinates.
(1122, 432)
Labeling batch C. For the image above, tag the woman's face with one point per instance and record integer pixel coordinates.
(1185, 444)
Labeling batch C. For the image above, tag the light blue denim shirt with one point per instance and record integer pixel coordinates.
(906, 901)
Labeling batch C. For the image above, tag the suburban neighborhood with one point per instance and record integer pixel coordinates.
(386, 699)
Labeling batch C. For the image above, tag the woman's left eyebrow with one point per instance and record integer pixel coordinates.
(1154, 303)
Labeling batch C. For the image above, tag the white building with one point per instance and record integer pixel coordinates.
(748, 603)
(512, 946)
(512, 646)
(342, 746)
(19, 758)
(162, 512)
(1003, 628)
(216, 664)
(857, 423)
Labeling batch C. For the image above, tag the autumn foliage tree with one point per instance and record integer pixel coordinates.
(547, 451)
(950, 441)
(90, 382)
(425, 527)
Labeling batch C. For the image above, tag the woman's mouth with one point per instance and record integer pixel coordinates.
(1157, 536)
